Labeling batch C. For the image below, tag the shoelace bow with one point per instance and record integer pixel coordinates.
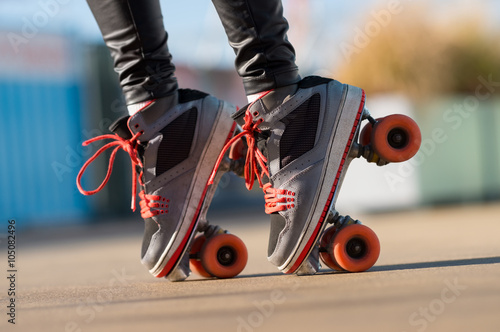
(254, 158)
(129, 146)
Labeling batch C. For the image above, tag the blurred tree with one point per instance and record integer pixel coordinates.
(422, 57)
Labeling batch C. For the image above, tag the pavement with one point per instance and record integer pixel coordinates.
(439, 270)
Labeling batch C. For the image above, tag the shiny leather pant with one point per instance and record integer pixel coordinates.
(134, 33)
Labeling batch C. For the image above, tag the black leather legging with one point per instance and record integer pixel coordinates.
(134, 33)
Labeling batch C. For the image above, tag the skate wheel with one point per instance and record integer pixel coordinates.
(195, 263)
(365, 137)
(224, 256)
(326, 256)
(355, 248)
(237, 150)
(396, 138)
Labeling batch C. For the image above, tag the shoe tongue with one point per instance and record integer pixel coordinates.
(256, 109)
(239, 116)
(120, 127)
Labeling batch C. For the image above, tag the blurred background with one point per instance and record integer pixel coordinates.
(437, 61)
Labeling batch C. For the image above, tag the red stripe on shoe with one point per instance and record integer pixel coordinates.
(181, 249)
(313, 238)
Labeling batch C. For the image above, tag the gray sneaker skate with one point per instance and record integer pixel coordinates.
(174, 150)
(299, 146)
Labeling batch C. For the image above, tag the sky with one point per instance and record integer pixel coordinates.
(318, 27)
(195, 21)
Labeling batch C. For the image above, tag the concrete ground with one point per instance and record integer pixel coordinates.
(439, 270)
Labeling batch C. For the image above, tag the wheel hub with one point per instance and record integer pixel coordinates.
(356, 248)
(226, 256)
(397, 138)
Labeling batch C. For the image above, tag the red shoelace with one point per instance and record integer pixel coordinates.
(254, 158)
(277, 199)
(253, 161)
(152, 205)
(129, 146)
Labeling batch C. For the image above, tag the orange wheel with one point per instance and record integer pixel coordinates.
(195, 263)
(224, 256)
(355, 248)
(396, 138)
(365, 137)
(325, 243)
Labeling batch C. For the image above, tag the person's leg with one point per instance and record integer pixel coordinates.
(299, 132)
(134, 33)
(257, 32)
(173, 136)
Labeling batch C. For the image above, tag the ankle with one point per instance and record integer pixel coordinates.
(150, 111)
(253, 97)
(137, 107)
(273, 98)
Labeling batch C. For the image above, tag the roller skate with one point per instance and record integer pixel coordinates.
(173, 144)
(299, 145)
(348, 245)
